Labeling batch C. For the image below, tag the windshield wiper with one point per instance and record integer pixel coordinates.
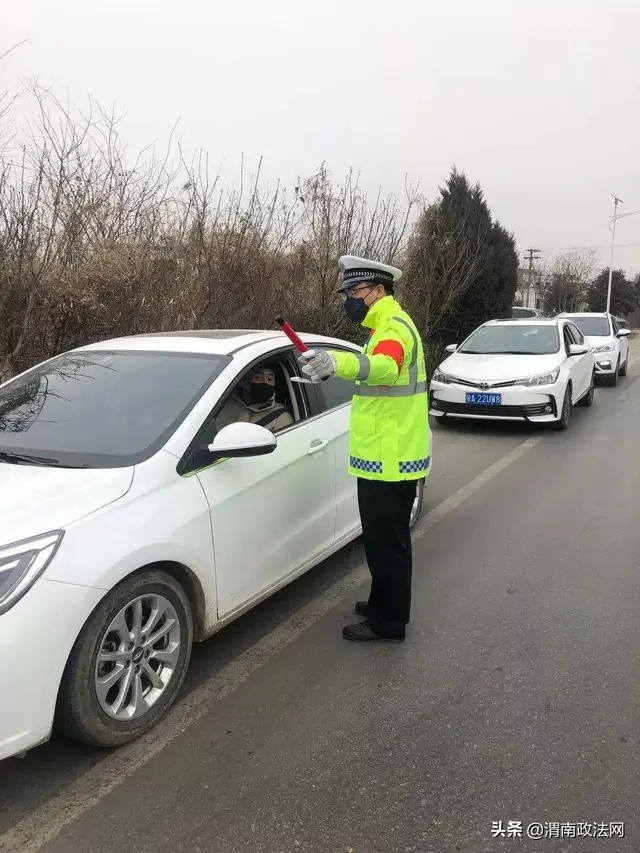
(522, 352)
(25, 459)
(504, 352)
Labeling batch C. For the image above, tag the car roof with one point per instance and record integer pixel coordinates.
(524, 321)
(213, 341)
(584, 314)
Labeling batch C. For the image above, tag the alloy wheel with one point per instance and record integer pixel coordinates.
(137, 657)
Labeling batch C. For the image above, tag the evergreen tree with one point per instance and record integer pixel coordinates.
(461, 266)
(624, 296)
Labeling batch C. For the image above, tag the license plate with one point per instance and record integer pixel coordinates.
(484, 399)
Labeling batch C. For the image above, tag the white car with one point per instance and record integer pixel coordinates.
(609, 340)
(136, 519)
(533, 370)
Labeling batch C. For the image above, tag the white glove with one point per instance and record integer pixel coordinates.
(317, 365)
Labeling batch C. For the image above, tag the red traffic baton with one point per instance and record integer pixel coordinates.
(287, 328)
(295, 339)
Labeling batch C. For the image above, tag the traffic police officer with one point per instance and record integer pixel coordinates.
(389, 437)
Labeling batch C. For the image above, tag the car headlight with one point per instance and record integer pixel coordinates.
(605, 348)
(22, 563)
(441, 376)
(544, 379)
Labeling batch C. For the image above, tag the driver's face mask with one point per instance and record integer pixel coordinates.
(262, 387)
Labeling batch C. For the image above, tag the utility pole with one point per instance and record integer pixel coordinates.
(531, 255)
(616, 202)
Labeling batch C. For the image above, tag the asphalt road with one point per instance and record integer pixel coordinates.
(515, 697)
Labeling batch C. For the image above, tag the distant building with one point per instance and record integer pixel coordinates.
(529, 292)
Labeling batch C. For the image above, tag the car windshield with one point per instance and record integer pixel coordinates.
(513, 339)
(597, 327)
(522, 312)
(100, 409)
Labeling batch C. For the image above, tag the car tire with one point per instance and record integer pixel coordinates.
(443, 421)
(623, 369)
(416, 510)
(565, 413)
(612, 380)
(83, 695)
(589, 397)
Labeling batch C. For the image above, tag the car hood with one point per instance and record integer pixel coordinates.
(35, 499)
(498, 367)
(599, 340)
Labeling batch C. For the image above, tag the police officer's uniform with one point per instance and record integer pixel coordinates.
(389, 443)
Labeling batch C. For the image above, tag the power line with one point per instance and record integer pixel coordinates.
(603, 246)
(532, 255)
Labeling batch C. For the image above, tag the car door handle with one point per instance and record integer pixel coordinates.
(317, 446)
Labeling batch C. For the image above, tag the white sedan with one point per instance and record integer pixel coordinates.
(533, 370)
(609, 340)
(134, 521)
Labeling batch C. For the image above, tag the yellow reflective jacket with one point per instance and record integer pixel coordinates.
(389, 429)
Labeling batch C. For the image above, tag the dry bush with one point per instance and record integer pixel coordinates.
(94, 245)
(566, 281)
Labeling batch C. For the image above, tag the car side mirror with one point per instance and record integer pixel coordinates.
(623, 333)
(242, 439)
(578, 349)
(451, 348)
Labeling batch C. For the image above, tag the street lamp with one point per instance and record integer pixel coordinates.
(615, 217)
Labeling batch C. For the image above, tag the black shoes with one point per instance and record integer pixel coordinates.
(364, 633)
(362, 608)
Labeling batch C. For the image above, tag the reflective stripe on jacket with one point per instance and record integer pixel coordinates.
(389, 430)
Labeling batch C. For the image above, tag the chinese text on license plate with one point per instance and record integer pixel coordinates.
(475, 399)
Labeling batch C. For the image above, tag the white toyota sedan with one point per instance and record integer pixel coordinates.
(609, 340)
(533, 370)
(139, 515)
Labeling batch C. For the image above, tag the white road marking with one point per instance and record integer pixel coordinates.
(47, 822)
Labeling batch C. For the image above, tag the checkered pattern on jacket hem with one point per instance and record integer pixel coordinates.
(415, 466)
(366, 465)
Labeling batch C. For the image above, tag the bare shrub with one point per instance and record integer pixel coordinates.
(94, 244)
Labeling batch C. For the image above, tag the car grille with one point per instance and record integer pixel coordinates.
(482, 386)
(448, 408)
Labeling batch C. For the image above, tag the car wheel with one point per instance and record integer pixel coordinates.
(623, 369)
(128, 663)
(416, 509)
(588, 398)
(612, 380)
(565, 413)
(443, 421)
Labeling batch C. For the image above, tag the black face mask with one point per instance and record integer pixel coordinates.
(260, 392)
(356, 309)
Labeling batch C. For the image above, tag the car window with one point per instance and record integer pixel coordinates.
(288, 408)
(568, 337)
(592, 326)
(522, 312)
(336, 392)
(526, 338)
(576, 335)
(102, 409)
(616, 325)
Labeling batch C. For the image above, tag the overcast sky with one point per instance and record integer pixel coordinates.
(539, 101)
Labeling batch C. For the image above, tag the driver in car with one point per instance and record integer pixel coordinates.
(257, 404)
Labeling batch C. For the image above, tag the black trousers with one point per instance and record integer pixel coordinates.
(385, 513)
